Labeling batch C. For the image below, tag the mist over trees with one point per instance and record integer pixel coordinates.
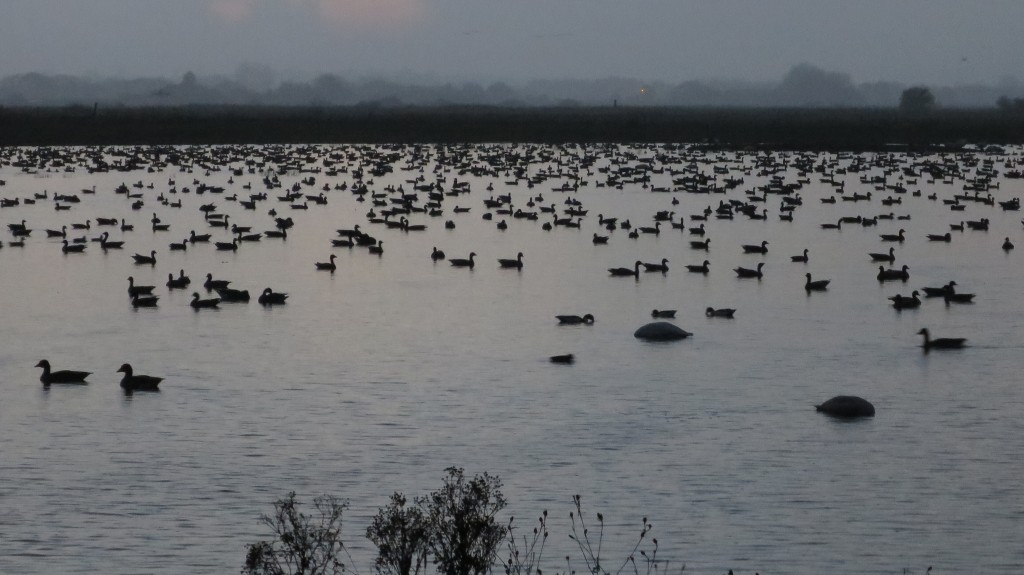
(804, 85)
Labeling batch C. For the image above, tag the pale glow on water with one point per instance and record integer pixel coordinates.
(378, 377)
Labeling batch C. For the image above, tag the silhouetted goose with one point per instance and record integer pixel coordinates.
(957, 227)
(142, 260)
(1007, 244)
(134, 290)
(698, 231)
(566, 359)
(836, 226)
(231, 246)
(328, 265)
(749, 273)
(889, 257)
(283, 234)
(600, 240)
(250, 237)
(752, 249)
(704, 245)
(377, 249)
(575, 319)
(938, 291)
(144, 300)
(176, 247)
(196, 238)
(951, 296)
(211, 284)
(893, 237)
(61, 376)
(84, 226)
(236, 229)
(509, 263)
(816, 285)
(270, 297)
(197, 303)
(72, 248)
(106, 221)
(132, 382)
(464, 263)
(342, 243)
(904, 302)
(177, 283)
(664, 313)
(800, 259)
(703, 268)
(662, 267)
(942, 342)
(891, 274)
(721, 312)
(126, 227)
(946, 237)
(61, 233)
(649, 230)
(161, 227)
(621, 272)
(109, 245)
(436, 254)
(230, 295)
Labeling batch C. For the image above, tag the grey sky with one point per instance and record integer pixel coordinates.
(929, 41)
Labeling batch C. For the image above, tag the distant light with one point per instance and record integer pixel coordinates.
(643, 90)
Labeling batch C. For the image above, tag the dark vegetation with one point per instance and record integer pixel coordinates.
(456, 527)
(852, 129)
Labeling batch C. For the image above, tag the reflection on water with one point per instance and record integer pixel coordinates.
(379, 376)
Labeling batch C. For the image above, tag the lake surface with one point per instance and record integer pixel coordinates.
(377, 377)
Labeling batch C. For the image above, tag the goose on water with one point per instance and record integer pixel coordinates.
(946, 237)
(270, 297)
(211, 284)
(662, 267)
(197, 303)
(233, 295)
(329, 266)
(575, 319)
(143, 260)
(177, 283)
(889, 257)
(892, 274)
(720, 312)
(701, 269)
(754, 249)
(516, 263)
(144, 300)
(72, 248)
(60, 376)
(133, 382)
(1007, 244)
(109, 245)
(134, 290)
(899, 237)
(462, 262)
(801, 258)
(198, 238)
(904, 302)
(815, 285)
(704, 245)
(663, 313)
(622, 272)
(749, 273)
(942, 342)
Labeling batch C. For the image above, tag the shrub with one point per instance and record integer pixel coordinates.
(304, 545)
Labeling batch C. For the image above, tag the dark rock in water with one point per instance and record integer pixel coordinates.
(565, 359)
(661, 331)
(847, 406)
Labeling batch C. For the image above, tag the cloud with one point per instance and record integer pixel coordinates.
(344, 12)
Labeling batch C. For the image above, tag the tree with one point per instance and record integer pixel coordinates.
(304, 545)
(464, 534)
(401, 536)
(917, 100)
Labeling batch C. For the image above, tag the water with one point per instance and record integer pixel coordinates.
(376, 378)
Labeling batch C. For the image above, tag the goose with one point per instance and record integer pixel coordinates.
(342, 243)
(893, 237)
(84, 226)
(701, 269)
(72, 248)
(938, 291)
(177, 283)
(721, 312)
(904, 302)
(662, 267)
(951, 296)
(663, 313)
(836, 226)
(600, 240)
(377, 249)
(464, 263)
(196, 238)
(649, 230)
(946, 237)
(575, 319)
(283, 234)
(197, 303)
(134, 290)
(108, 245)
(698, 231)
(233, 295)
(161, 227)
(126, 227)
(211, 284)
(1007, 244)
(801, 258)
(270, 297)
(144, 300)
(176, 247)
(704, 245)
(749, 273)
(237, 229)
(510, 263)
(892, 274)
(231, 246)
(942, 342)
(889, 257)
(815, 285)
(754, 249)
(565, 359)
(141, 259)
(436, 254)
(132, 382)
(328, 265)
(61, 233)
(60, 376)
(622, 272)
(957, 227)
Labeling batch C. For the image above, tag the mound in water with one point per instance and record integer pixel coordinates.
(661, 331)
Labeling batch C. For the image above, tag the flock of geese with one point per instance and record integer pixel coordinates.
(545, 186)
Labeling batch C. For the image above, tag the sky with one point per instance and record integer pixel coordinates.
(936, 42)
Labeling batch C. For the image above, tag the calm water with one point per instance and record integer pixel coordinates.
(379, 376)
